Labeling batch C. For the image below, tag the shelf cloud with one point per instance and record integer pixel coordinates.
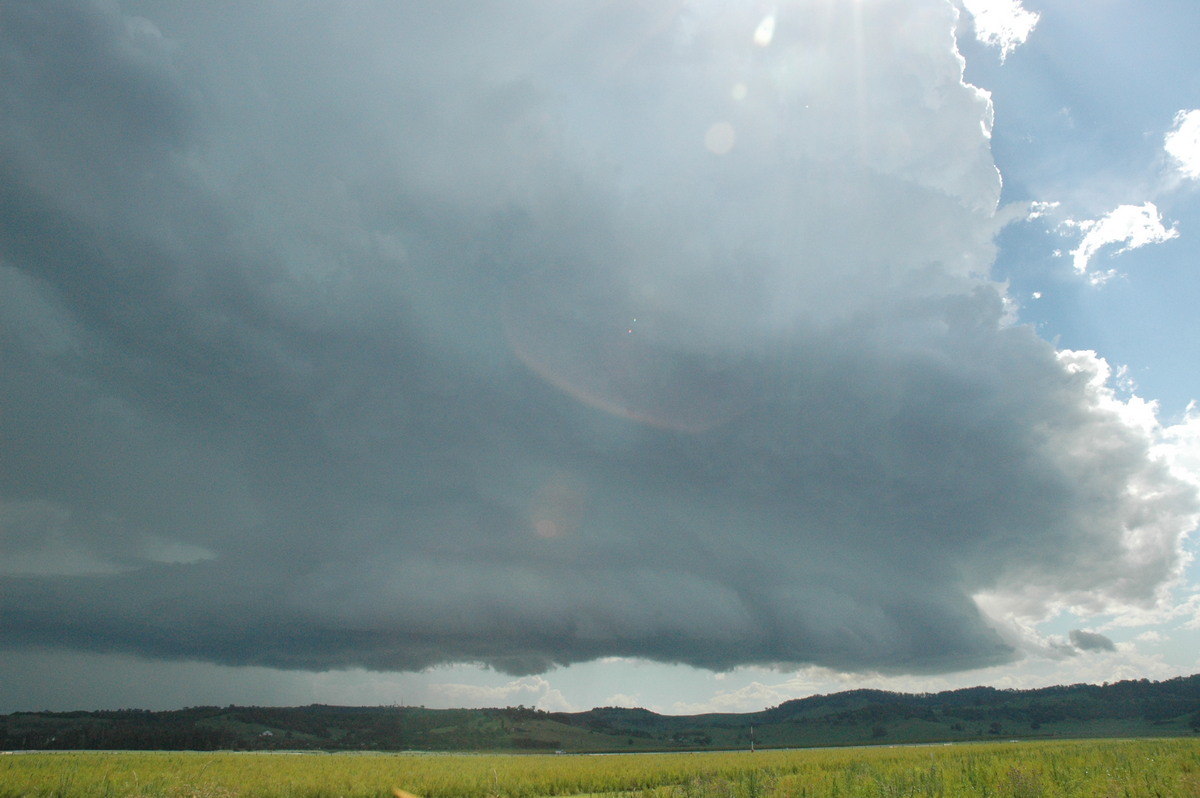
(419, 333)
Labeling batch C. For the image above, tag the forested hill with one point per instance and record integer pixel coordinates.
(1122, 709)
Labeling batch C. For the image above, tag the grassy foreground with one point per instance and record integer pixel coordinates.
(1119, 768)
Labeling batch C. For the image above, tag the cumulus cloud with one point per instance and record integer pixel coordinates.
(432, 334)
(1182, 143)
(1134, 226)
(751, 697)
(1180, 445)
(623, 700)
(533, 691)
(1004, 24)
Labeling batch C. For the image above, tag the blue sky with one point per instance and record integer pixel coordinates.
(1082, 114)
(694, 356)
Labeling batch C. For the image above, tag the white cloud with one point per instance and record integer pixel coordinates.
(1180, 445)
(1134, 581)
(1191, 609)
(1134, 225)
(1001, 23)
(748, 698)
(623, 700)
(1183, 143)
(1037, 210)
(534, 691)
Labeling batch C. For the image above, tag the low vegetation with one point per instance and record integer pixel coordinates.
(1055, 769)
(1125, 709)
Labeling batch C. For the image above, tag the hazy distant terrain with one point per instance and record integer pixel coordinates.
(1123, 709)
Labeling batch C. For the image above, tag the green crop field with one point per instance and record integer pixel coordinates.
(1163, 768)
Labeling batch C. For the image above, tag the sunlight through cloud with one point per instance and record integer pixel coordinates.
(1003, 24)
(765, 31)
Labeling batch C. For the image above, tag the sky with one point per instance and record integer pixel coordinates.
(695, 355)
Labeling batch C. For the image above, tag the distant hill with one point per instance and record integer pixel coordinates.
(1138, 708)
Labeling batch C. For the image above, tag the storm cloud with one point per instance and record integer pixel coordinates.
(419, 333)
(1091, 641)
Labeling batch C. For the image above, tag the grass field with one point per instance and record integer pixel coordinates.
(1060, 769)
